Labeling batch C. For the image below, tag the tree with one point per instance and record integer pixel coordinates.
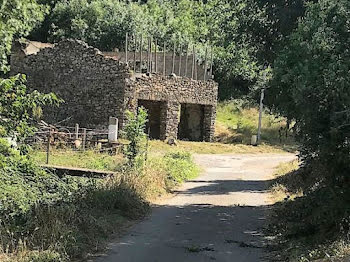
(19, 109)
(17, 19)
(311, 84)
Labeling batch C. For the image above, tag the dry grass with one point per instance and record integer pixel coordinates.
(308, 221)
(237, 121)
(279, 191)
(88, 159)
(158, 147)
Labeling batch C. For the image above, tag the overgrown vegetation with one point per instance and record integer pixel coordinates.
(245, 34)
(307, 60)
(310, 220)
(44, 217)
(237, 121)
(134, 132)
(310, 85)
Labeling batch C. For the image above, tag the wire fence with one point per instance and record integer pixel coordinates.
(75, 138)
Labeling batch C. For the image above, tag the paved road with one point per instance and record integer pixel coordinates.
(216, 217)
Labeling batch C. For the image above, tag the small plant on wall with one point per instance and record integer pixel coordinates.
(134, 131)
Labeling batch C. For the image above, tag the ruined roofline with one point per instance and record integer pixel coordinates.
(29, 47)
(32, 48)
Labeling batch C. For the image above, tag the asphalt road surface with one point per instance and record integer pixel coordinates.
(215, 217)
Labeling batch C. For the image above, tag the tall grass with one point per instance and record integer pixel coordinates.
(79, 214)
(237, 121)
(310, 221)
(87, 159)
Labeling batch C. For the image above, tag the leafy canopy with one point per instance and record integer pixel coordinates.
(311, 82)
(17, 19)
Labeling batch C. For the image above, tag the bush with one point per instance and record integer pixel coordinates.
(68, 215)
(134, 131)
(178, 167)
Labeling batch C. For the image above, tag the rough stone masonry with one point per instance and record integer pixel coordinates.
(95, 86)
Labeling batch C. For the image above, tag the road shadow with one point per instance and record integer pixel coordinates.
(223, 187)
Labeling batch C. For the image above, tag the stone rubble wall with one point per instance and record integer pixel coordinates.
(95, 87)
(175, 91)
(91, 85)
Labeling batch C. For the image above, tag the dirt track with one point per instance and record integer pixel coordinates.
(216, 217)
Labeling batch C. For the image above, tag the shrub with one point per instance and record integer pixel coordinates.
(134, 131)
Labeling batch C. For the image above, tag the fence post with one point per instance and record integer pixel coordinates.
(84, 138)
(141, 43)
(76, 131)
(180, 60)
(186, 62)
(211, 63)
(113, 130)
(155, 56)
(205, 63)
(164, 60)
(174, 55)
(193, 62)
(135, 43)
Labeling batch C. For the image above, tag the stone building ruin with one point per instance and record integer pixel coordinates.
(96, 85)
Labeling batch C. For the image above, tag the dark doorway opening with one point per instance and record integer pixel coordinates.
(154, 114)
(191, 122)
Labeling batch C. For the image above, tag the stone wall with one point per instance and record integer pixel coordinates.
(95, 87)
(175, 91)
(91, 84)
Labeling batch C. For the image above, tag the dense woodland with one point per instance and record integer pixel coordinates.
(298, 50)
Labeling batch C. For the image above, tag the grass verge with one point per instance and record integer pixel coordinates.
(81, 159)
(237, 121)
(47, 218)
(159, 148)
(310, 221)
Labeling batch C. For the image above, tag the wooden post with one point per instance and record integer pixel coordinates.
(193, 61)
(205, 63)
(180, 60)
(164, 60)
(126, 47)
(211, 64)
(155, 56)
(173, 68)
(141, 54)
(151, 55)
(148, 59)
(48, 147)
(186, 62)
(135, 42)
(195, 67)
(84, 138)
(76, 131)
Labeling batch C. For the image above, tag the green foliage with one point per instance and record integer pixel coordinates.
(311, 221)
(237, 121)
(311, 86)
(66, 215)
(134, 132)
(236, 30)
(86, 159)
(174, 168)
(17, 19)
(179, 167)
(19, 109)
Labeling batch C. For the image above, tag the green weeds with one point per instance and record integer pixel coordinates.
(311, 220)
(47, 218)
